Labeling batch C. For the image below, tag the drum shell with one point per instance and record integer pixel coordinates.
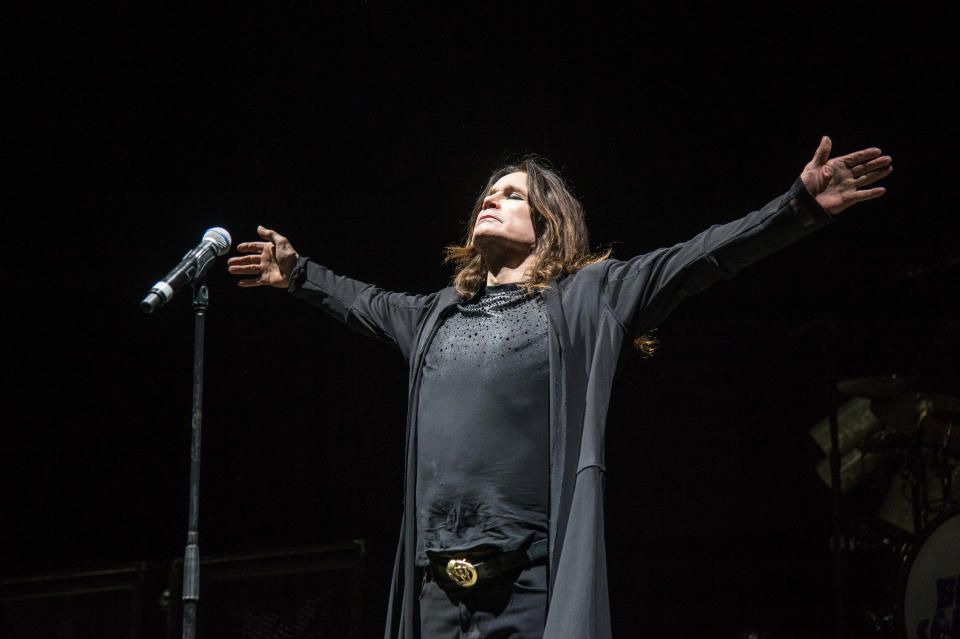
(929, 582)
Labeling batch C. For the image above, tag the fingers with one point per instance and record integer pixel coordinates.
(822, 154)
(873, 176)
(867, 194)
(252, 247)
(854, 197)
(859, 157)
(262, 260)
(866, 167)
(250, 282)
(243, 260)
(270, 234)
(838, 183)
(873, 165)
(249, 265)
(246, 269)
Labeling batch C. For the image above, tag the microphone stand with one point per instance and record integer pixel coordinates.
(191, 556)
(839, 541)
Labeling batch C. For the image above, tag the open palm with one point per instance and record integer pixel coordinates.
(270, 261)
(839, 183)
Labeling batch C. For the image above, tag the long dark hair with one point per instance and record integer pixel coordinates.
(563, 242)
(562, 245)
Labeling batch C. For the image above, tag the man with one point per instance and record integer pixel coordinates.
(510, 377)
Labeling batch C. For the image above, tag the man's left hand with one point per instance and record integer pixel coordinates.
(838, 183)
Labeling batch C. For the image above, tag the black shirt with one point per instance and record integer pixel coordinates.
(483, 436)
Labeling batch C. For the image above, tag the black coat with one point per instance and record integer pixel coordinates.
(594, 315)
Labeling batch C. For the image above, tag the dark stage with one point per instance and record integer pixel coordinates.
(363, 133)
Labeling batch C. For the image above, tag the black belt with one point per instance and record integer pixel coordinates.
(466, 574)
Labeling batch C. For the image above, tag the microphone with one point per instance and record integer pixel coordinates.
(192, 268)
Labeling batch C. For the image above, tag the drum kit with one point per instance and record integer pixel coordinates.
(902, 444)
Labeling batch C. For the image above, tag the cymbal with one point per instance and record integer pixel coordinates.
(942, 407)
(875, 387)
(937, 414)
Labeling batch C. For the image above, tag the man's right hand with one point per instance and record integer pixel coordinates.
(271, 261)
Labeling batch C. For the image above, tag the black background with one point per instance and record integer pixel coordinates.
(363, 133)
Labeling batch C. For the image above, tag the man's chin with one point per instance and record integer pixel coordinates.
(491, 240)
(492, 244)
(485, 234)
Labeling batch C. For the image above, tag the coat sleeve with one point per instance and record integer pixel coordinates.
(642, 291)
(391, 317)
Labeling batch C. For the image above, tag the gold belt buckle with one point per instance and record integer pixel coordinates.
(462, 572)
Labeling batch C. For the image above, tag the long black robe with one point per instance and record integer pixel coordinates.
(594, 315)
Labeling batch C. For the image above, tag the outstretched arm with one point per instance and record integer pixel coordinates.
(642, 291)
(839, 183)
(391, 317)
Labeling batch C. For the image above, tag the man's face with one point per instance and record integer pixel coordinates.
(505, 215)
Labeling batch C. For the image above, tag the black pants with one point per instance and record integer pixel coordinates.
(512, 607)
